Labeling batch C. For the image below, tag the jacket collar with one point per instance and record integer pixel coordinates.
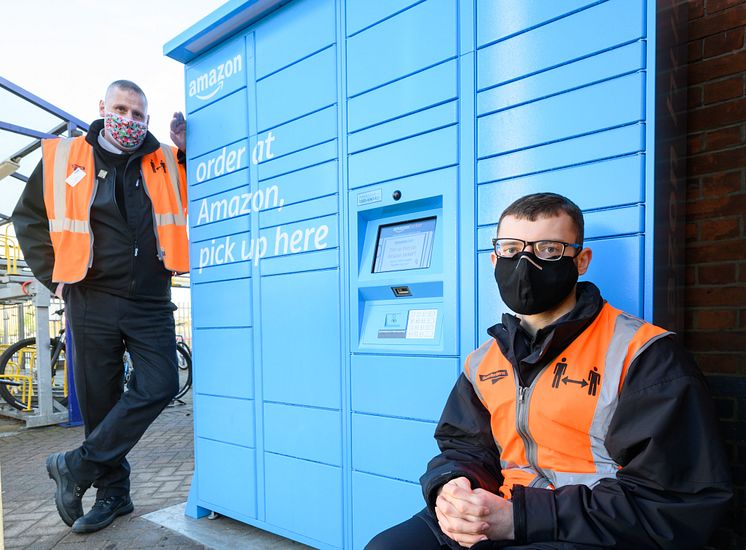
(518, 346)
(148, 146)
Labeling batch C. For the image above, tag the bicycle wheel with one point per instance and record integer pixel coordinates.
(18, 381)
(184, 360)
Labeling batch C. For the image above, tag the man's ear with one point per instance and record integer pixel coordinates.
(101, 108)
(493, 259)
(583, 260)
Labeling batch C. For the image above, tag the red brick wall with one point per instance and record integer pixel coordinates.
(715, 291)
(715, 296)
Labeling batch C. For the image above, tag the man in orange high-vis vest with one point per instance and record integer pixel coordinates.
(575, 425)
(102, 223)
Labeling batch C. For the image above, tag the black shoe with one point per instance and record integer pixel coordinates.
(104, 511)
(69, 492)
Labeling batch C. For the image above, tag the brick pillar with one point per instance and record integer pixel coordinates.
(715, 292)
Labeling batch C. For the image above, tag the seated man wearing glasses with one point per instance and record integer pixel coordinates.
(575, 425)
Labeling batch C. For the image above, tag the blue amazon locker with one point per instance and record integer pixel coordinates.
(347, 162)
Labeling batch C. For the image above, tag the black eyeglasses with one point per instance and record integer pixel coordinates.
(545, 250)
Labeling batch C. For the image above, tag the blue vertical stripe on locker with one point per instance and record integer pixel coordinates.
(216, 168)
(567, 116)
(300, 310)
(402, 119)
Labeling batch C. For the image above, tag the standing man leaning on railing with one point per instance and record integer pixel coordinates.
(102, 223)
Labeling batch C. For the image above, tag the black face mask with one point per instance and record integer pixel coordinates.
(529, 285)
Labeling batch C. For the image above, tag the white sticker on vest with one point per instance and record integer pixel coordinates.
(77, 175)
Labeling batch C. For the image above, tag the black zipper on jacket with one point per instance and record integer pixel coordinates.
(523, 396)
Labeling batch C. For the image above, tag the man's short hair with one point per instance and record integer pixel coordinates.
(546, 205)
(127, 85)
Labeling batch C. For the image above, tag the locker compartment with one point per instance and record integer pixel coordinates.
(300, 237)
(225, 419)
(300, 328)
(392, 447)
(303, 432)
(315, 208)
(596, 185)
(411, 41)
(221, 162)
(605, 105)
(223, 272)
(429, 151)
(607, 144)
(307, 86)
(402, 499)
(598, 28)
(302, 28)
(216, 75)
(227, 118)
(306, 497)
(304, 132)
(586, 71)
(222, 362)
(421, 387)
(214, 304)
(404, 127)
(231, 486)
(299, 160)
(498, 19)
(304, 184)
(199, 191)
(298, 263)
(419, 91)
(221, 214)
(363, 13)
(617, 270)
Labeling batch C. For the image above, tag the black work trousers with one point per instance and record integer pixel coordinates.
(421, 532)
(102, 326)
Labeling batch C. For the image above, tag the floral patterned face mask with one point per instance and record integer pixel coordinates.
(128, 133)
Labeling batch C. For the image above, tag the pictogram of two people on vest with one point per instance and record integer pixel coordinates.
(594, 378)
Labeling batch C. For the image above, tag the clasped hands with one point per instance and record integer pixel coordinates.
(469, 516)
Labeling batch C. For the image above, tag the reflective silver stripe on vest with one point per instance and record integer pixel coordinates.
(560, 479)
(172, 166)
(475, 360)
(169, 219)
(67, 224)
(61, 156)
(625, 328)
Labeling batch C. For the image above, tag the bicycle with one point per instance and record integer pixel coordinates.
(19, 387)
(183, 360)
(18, 383)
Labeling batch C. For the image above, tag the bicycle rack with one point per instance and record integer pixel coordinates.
(49, 411)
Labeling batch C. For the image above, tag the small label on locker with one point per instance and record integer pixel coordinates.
(392, 333)
(421, 323)
(369, 197)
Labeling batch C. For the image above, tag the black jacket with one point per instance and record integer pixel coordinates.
(125, 259)
(674, 481)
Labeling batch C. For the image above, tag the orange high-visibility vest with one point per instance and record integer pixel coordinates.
(552, 433)
(68, 204)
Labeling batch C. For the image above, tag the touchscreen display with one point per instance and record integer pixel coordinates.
(404, 245)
